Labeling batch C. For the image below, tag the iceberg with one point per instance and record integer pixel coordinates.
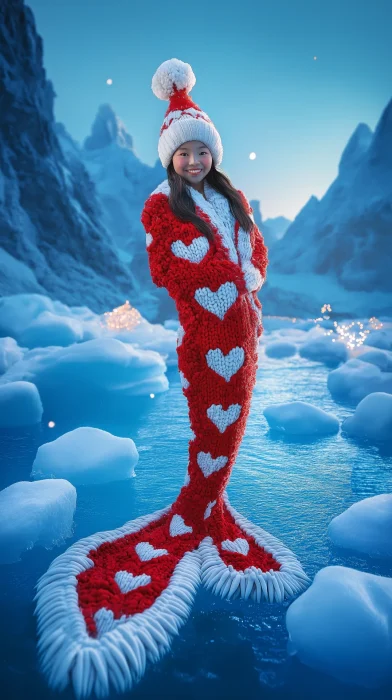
(51, 329)
(10, 352)
(325, 348)
(365, 527)
(355, 379)
(92, 380)
(20, 404)
(342, 626)
(301, 418)
(372, 419)
(35, 513)
(86, 456)
(280, 348)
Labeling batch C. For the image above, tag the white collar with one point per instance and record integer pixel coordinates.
(217, 208)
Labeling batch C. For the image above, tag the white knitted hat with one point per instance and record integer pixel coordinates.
(184, 120)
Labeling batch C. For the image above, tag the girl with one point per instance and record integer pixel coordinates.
(114, 600)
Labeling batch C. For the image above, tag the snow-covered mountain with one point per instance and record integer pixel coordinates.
(122, 183)
(272, 229)
(278, 226)
(51, 235)
(345, 238)
(70, 215)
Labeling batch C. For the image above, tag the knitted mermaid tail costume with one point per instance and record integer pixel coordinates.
(114, 601)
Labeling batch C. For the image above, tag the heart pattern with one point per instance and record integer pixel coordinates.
(148, 239)
(128, 582)
(178, 527)
(105, 622)
(208, 465)
(218, 302)
(239, 546)
(146, 551)
(208, 510)
(194, 252)
(221, 418)
(226, 365)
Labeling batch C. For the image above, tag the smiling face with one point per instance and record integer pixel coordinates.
(192, 156)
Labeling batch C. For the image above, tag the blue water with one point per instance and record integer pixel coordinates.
(292, 489)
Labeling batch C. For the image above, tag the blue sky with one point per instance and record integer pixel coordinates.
(256, 77)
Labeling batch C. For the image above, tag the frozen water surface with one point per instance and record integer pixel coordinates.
(293, 488)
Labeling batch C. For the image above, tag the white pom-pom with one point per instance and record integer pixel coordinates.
(169, 72)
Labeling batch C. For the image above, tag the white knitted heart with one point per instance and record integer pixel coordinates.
(194, 252)
(226, 365)
(178, 527)
(217, 302)
(104, 621)
(148, 239)
(128, 582)
(222, 419)
(208, 510)
(146, 551)
(209, 465)
(240, 546)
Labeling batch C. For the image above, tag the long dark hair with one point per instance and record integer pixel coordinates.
(183, 206)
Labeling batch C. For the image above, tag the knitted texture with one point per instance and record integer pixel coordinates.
(113, 601)
(184, 120)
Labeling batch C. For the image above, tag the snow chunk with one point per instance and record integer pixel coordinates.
(355, 379)
(380, 358)
(300, 418)
(380, 339)
(152, 336)
(35, 513)
(98, 377)
(325, 348)
(10, 353)
(51, 329)
(280, 348)
(342, 625)
(372, 419)
(365, 527)
(20, 311)
(20, 404)
(86, 456)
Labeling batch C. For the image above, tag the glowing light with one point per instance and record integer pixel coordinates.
(351, 338)
(375, 323)
(109, 81)
(152, 396)
(314, 58)
(124, 317)
(51, 424)
(252, 155)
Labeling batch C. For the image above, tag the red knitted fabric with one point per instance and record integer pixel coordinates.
(180, 102)
(217, 359)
